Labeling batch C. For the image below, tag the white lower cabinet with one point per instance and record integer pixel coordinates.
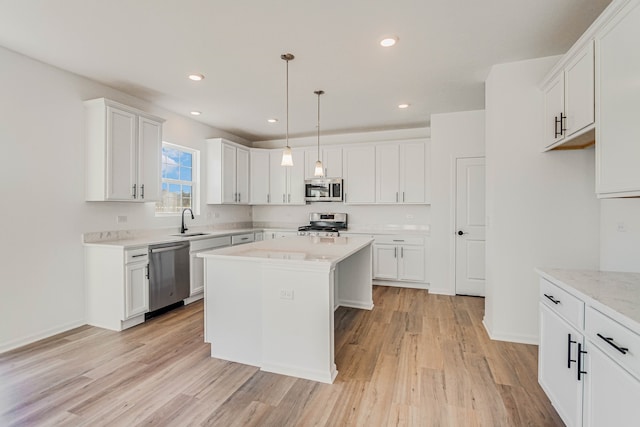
(612, 395)
(588, 363)
(136, 288)
(557, 365)
(399, 258)
(277, 234)
(117, 286)
(196, 281)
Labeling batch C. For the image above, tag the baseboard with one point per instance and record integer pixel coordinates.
(508, 337)
(308, 374)
(20, 342)
(196, 297)
(441, 291)
(412, 285)
(354, 304)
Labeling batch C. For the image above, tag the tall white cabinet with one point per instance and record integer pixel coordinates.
(401, 173)
(618, 112)
(123, 149)
(359, 174)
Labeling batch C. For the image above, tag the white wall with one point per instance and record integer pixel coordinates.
(620, 235)
(541, 207)
(43, 211)
(453, 135)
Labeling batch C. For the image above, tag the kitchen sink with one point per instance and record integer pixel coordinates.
(190, 234)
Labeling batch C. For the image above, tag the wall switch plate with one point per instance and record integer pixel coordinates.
(121, 219)
(286, 294)
(622, 227)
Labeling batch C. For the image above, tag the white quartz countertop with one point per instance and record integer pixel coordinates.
(613, 293)
(295, 249)
(153, 239)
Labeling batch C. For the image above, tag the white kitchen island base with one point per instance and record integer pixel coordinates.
(271, 303)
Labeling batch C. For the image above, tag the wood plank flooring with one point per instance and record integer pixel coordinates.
(415, 360)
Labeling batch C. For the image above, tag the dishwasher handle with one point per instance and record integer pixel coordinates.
(158, 249)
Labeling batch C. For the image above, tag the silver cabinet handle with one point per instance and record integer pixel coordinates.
(245, 238)
(147, 274)
(345, 197)
(139, 255)
(283, 198)
(403, 196)
(142, 191)
(398, 240)
(268, 198)
(395, 252)
(401, 252)
(396, 197)
(289, 198)
(134, 191)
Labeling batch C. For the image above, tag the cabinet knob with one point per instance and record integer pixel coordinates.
(460, 233)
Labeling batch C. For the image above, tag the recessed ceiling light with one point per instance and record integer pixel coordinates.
(196, 77)
(403, 106)
(272, 120)
(388, 41)
(195, 113)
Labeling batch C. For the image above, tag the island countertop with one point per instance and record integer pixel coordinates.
(298, 249)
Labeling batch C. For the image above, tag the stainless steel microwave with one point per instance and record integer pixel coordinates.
(323, 190)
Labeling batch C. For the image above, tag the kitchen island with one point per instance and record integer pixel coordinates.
(271, 303)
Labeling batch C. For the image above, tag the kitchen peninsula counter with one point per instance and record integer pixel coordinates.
(271, 303)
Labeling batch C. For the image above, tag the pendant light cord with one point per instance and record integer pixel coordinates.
(287, 90)
(319, 93)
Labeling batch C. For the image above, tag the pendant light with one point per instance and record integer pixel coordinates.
(319, 171)
(287, 158)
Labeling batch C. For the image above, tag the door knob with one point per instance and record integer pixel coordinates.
(460, 232)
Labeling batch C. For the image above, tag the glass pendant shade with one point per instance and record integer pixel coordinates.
(287, 158)
(319, 171)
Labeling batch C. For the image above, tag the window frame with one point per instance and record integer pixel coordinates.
(195, 179)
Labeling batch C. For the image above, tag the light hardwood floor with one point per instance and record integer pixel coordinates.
(415, 360)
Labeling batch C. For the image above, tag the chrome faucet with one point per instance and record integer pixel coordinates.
(182, 227)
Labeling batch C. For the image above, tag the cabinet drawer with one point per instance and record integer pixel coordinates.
(140, 254)
(563, 303)
(399, 240)
(205, 244)
(599, 326)
(242, 238)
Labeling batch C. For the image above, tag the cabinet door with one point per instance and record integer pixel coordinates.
(228, 173)
(385, 262)
(277, 178)
(332, 162)
(360, 174)
(557, 371)
(149, 159)
(310, 158)
(121, 154)
(611, 393)
(618, 129)
(259, 177)
(295, 178)
(553, 108)
(579, 91)
(412, 172)
(388, 173)
(411, 263)
(242, 176)
(196, 283)
(136, 290)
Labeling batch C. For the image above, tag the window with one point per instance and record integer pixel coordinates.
(179, 179)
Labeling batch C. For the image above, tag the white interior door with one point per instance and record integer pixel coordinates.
(470, 226)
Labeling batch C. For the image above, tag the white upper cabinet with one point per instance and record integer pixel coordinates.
(401, 172)
(569, 103)
(286, 183)
(123, 149)
(618, 112)
(227, 172)
(360, 174)
(259, 177)
(331, 158)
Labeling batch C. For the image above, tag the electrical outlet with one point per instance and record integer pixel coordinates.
(216, 214)
(121, 219)
(286, 294)
(409, 216)
(622, 227)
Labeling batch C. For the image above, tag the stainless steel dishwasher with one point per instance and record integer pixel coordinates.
(168, 274)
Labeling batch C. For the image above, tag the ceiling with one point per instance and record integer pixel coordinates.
(148, 47)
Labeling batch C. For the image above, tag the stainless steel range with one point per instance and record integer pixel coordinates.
(324, 225)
